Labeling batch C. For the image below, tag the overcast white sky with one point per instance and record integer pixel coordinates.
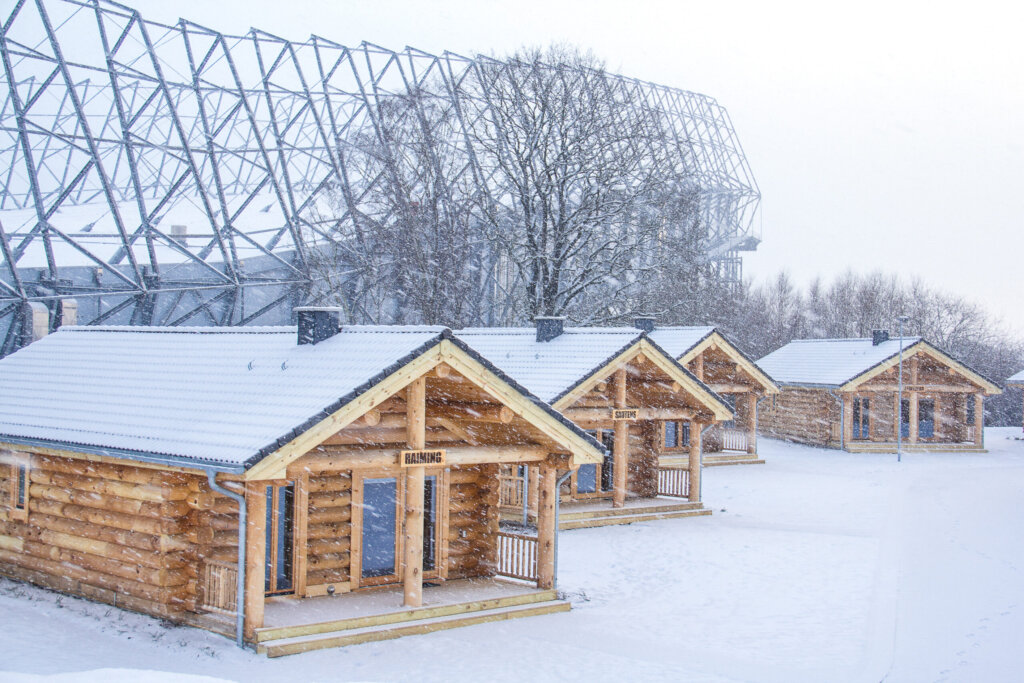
(883, 135)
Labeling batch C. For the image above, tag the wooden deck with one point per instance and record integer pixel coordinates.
(919, 447)
(581, 515)
(296, 626)
(723, 458)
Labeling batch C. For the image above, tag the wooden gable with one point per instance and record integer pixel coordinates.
(725, 369)
(657, 387)
(474, 413)
(936, 371)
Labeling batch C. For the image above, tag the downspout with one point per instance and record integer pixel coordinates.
(700, 488)
(842, 419)
(211, 478)
(558, 501)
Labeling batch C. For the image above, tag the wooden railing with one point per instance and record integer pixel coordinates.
(734, 440)
(220, 587)
(510, 489)
(517, 556)
(971, 433)
(673, 481)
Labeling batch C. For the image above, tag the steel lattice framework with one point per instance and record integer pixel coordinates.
(164, 174)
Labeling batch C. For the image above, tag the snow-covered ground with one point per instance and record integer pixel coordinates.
(818, 566)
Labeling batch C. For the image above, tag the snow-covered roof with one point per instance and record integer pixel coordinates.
(1017, 379)
(829, 362)
(552, 368)
(678, 340)
(222, 396)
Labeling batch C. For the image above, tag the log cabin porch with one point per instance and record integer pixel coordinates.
(713, 359)
(627, 404)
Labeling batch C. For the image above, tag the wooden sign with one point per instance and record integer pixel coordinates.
(422, 458)
(913, 387)
(625, 413)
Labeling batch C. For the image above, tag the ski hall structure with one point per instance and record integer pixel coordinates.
(843, 393)
(298, 489)
(623, 388)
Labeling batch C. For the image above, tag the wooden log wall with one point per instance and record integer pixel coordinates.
(473, 521)
(329, 530)
(643, 458)
(801, 415)
(114, 533)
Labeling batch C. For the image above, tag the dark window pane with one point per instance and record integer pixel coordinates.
(926, 418)
(586, 479)
(285, 506)
(671, 435)
(19, 501)
(429, 523)
(686, 434)
(268, 580)
(905, 416)
(379, 501)
(608, 473)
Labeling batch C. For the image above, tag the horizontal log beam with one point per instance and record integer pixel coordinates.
(605, 414)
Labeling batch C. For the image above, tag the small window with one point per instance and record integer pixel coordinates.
(16, 475)
(671, 435)
(676, 435)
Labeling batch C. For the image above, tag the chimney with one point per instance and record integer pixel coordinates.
(879, 336)
(317, 323)
(36, 322)
(67, 312)
(180, 234)
(644, 322)
(548, 327)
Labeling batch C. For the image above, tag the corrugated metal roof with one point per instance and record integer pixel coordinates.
(212, 395)
(678, 340)
(550, 369)
(828, 362)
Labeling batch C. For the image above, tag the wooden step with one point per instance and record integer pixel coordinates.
(721, 461)
(291, 646)
(629, 519)
(281, 632)
(567, 513)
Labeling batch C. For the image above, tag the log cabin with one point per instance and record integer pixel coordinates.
(730, 373)
(1017, 381)
(621, 387)
(844, 394)
(298, 488)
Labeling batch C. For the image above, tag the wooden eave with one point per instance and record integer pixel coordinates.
(924, 347)
(567, 438)
(716, 340)
(672, 368)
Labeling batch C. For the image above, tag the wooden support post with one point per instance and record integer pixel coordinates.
(979, 420)
(847, 420)
(620, 449)
(913, 417)
(548, 485)
(698, 367)
(751, 423)
(695, 465)
(414, 480)
(255, 556)
(938, 421)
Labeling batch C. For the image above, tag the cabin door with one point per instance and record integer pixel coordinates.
(379, 531)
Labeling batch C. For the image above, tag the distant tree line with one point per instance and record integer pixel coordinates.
(761, 318)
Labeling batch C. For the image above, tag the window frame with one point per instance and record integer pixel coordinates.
(19, 467)
(682, 429)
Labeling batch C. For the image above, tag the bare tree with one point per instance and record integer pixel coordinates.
(573, 162)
